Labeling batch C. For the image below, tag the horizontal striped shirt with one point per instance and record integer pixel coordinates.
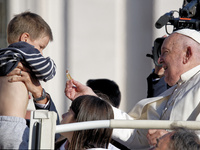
(43, 68)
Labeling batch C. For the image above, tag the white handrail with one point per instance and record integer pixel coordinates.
(128, 124)
(154, 124)
(43, 127)
(82, 126)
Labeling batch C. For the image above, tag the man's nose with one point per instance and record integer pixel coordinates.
(160, 60)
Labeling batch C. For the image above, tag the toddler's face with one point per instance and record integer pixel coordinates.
(39, 43)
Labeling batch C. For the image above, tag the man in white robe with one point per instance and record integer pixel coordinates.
(180, 57)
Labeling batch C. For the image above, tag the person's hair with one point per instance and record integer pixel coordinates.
(107, 87)
(27, 22)
(89, 108)
(184, 139)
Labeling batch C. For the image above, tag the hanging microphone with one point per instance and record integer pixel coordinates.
(163, 20)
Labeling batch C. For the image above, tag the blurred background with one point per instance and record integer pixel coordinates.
(96, 39)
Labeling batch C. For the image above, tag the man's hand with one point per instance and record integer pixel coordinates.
(75, 89)
(21, 73)
(154, 134)
(159, 71)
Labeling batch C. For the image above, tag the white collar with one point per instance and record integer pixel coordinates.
(189, 74)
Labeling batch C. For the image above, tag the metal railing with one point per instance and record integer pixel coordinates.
(43, 127)
(127, 124)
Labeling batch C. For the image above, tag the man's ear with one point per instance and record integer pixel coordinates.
(188, 54)
(24, 37)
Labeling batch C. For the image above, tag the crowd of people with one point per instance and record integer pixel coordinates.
(174, 92)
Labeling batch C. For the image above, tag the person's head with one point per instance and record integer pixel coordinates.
(88, 108)
(107, 87)
(180, 52)
(179, 139)
(31, 28)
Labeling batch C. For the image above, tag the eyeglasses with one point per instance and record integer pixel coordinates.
(153, 147)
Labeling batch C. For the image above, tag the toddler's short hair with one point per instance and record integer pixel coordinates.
(30, 23)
